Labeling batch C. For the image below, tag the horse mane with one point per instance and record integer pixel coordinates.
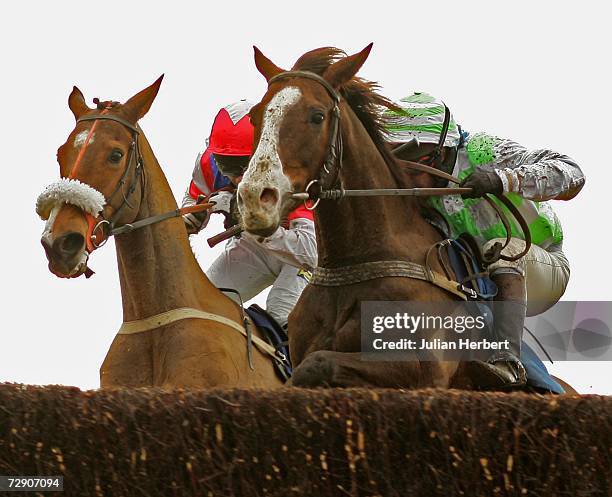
(361, 95)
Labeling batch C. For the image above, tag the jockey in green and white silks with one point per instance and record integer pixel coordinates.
(488, 164)
(529, 178)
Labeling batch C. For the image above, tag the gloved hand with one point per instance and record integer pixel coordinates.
(225, 203)
(222, 201)
(194, 221)
(482, 181)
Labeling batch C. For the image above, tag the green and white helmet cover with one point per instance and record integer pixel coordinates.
(421, 117)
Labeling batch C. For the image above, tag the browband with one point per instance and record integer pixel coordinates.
(310, 75)
(95, 117)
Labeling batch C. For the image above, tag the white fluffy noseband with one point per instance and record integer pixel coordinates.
(70, 191)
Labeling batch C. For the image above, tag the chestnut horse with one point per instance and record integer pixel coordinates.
(300, 145)
(109, 172)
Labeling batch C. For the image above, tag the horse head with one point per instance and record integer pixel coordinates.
(100, 182)
(296, 130)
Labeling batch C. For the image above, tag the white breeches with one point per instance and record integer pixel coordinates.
(248, 268)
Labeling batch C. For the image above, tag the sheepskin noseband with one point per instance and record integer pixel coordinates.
(70, 191)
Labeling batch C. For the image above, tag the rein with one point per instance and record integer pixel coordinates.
(381, 192)
(496, 251)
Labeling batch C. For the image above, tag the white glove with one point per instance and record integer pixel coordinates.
(222, 202)
(195, 221)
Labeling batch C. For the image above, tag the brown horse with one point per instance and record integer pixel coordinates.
(299, 146)
(109, 172)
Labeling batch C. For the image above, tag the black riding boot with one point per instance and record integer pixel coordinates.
(505, 368)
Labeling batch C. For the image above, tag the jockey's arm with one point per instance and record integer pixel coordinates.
(198, 186)
(536, 174)
(296, 246)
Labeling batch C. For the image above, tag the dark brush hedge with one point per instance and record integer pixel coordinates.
(307, 442)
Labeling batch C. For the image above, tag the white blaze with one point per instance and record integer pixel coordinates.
(81, 137)
(265, 168)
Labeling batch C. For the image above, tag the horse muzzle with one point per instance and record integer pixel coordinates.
(260, 209)
(67, 254)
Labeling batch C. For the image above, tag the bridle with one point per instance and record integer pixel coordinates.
(329, 183)
(329, 174)
(134, 159)
(99, 227)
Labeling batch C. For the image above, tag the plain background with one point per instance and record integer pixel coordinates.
(536, 72)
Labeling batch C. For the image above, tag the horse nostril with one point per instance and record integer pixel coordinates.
(269, 196)
(70, 244)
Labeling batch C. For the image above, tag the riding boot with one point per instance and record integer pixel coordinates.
(505, 368)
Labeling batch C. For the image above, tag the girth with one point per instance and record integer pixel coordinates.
(357, 273)
(174, 315)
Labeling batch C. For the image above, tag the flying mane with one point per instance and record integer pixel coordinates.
(361, 95)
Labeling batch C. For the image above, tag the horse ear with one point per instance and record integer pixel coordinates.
(137, 106)
(345, 69)
(265, 66)
(76, 102)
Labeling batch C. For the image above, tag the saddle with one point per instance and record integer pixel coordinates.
(462, 261)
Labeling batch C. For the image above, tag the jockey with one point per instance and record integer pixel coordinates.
(249, 264)
(529, 178)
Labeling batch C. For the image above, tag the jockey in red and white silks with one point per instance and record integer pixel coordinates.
(249, 264)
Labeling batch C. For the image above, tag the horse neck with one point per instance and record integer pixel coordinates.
(157, 268)
(363, 229)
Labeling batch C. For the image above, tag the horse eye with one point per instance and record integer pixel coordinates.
(115, 156)
(317, 118)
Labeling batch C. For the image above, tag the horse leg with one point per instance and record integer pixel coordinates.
(326, 368)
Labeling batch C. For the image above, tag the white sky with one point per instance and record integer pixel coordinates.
(536, 72)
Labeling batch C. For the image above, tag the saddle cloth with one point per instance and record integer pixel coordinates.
(276, 336)
(466, 265)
